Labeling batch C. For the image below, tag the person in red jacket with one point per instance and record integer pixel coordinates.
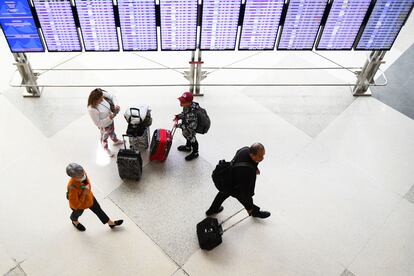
(80, 197)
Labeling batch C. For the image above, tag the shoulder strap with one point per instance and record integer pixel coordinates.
(243, 164)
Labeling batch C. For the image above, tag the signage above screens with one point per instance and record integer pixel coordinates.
(301, 25)
(343, 23)
(384, 24)
(58, 25)
(178, 24)
(260, 24)
(19, 27)
(97, 24)
(219, 24)
(138, 25)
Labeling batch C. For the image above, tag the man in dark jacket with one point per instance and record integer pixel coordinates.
(188, 125)
(244, 180)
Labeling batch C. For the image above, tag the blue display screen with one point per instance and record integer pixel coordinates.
(343, 23)
(384, 24)
(97, 24)
(301, 25)
(19, 27)
(138, 25)
(178, 24)
(219, 24)
(58, 25)
(260, 24)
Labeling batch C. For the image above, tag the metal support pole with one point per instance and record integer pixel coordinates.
(366, 75)
(200, 75)
(27, 74)
(189, 75)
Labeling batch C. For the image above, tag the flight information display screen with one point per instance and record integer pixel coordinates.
(260, 24)
(138, 25)
(97, 24)
(343, 23)
(219, 24)
(178, 24)
(384, 24)
(301, 25)
(19, 27)
(58, 25)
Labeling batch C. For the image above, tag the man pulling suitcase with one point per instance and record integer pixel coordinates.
(240, 180)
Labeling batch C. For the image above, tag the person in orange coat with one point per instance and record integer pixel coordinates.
(80, 197)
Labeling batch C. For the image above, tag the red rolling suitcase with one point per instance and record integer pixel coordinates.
(161, 143)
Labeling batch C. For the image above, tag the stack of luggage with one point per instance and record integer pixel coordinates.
(139, 120)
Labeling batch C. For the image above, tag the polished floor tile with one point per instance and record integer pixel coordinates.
(390, 251)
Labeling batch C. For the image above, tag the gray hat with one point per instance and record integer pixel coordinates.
(74, 170)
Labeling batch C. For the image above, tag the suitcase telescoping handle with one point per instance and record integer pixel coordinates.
(132, 115)
(123, 139)
(174, 128)
(234, 224)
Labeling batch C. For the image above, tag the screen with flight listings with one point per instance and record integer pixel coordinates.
(138, 25)
(301, 25)
(178, 24)
(97, 24)
(384, 24)
(343, 23)
(58, 25)
(260, 24)
(219, 24)
(19, 27)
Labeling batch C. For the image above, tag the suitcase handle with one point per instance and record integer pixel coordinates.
(234, 224)
(130, 117)
(123, 139)
(174, 128)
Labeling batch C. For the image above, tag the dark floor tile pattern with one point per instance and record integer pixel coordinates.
(410, 195)
(347, 273)
(398, 94)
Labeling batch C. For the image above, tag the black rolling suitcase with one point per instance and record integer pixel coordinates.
(129, 163)
(209, 231)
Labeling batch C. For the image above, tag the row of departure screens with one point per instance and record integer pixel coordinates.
(99, 25)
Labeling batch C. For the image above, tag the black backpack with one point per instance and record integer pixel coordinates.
(203, 121)
(222, 174)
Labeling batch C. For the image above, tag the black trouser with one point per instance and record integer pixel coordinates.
(193, 145)
(96, 208)
(246, 202)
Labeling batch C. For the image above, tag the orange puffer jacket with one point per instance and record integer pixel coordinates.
(78, 196)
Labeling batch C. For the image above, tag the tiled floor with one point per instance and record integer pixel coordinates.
(337, 174)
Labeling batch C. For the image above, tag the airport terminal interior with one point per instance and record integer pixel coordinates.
(337, 175)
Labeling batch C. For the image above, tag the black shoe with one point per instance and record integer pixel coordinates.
(210, 212)
(261, 214)
(184, 148)
(80, 227)
(191, 156)
(117, 223)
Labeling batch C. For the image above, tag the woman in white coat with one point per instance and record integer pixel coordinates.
(102, 108)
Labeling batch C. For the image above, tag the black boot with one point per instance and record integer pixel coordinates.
(194, 154)
(186, 147)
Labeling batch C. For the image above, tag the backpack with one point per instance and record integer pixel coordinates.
(203, 121)
(222, 174)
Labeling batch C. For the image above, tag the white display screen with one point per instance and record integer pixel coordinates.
(138, 25)
(97, 24)
(58, 25)
(384, 24)
(219, 24)
(343, 23)
(301, 25)
(260, 24)
(178, 24)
